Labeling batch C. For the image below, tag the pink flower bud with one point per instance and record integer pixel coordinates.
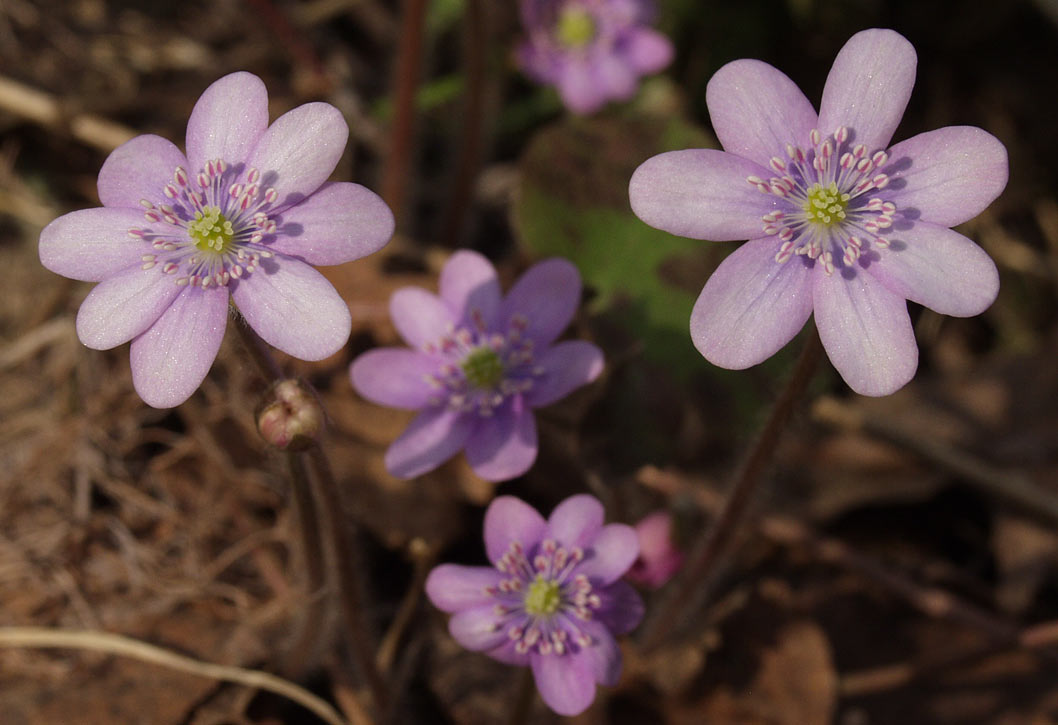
(659, 558)
(292, 417)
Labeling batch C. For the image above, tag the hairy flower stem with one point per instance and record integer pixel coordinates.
(699, 574)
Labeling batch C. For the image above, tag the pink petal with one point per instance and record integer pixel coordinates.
(621, 608)
(394, 376)
(419, 316)
(139, 169)
(507, 654)
(434, 436)
(751, 306)
(340, 222)
(227, 120)
(566, 684)
(866, 331)
(567, 366)
(947, 176)
(616, 77)
(702, 194)
(547, 296)
(294, 308)
(93, 244)
(170, 360)
(503, 446)
(611, 554)
(757, 110)
(469, 283)
(300, 150)
(576, 521)
(452, 587)
(508, 520)
(647, 50)
(580, 90)
(603, 657)
(477, 629)
(123, 306)
(868, 87)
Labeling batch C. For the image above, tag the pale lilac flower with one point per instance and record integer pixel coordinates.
(659, 557)
(480, 363)
(242, 215)
(592, 51)
(553, 599)
(840, 223)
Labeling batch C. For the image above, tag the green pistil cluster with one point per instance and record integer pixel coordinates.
(483, 368)
(576, 28)
(826, 205)
(543, 598)
(210, 231)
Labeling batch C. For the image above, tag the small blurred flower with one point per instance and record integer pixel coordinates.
(840, 223)
(659, 558)
(592, 51)
(553, 599)
(291, 417)
(481, 363)
(243, 214)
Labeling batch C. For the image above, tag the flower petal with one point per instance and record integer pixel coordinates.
(503, 446)
(603, 656)
(579, 88)
(294, 308)
(647, 50)
(507, 654)
(868, 87)
(866, 331)
(700, 193)
(477, 629)
(547, 296)
(621, 608)
(576, 521)
(139, 169)
(507, 520)
(757, 110)
(434, 436)
(452, 587)
(469, 282)
(615, 76)
(394, 376)
(751, 306)
(420, 317)
(340, 222)
(300, 150)
(92, 244)
(566, 683)
(170, 360)
(227, 120)
(949, 175)
(123, 306)
(611, 554)
(939, 268)
(567, 366)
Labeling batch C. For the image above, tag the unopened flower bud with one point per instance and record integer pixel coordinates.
(292, 417)
(659, 557)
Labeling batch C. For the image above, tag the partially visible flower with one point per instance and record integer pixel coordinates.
(840, 223)
(242, 215)
(592, 51)
(553, 599)
(659, 557)
(291, 417)
(481, 362)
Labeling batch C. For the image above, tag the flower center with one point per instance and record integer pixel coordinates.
(483, 368)
(575, 28)
(543, 598)
(825, 214)
(210, 231)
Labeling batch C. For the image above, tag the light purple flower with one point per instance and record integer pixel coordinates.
(840, 223)
(553, 599)
(659, 557)
(592, 51)
(481, 362)
(243, 214)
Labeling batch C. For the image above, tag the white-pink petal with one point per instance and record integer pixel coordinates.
(227, 120)
(294, 308)
(508, 520)
(123, 306)
(170, 360)
(93, 244)
(420, 317)
(866, 332)
(395, 376)
(139, 169)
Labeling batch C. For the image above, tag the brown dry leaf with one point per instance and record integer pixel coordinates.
(1025, 552)
(797, 684)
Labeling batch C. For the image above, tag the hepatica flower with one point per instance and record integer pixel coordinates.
(479, 364)
(552, 599)
(592, 51)
(242, 215)
(840, 222)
